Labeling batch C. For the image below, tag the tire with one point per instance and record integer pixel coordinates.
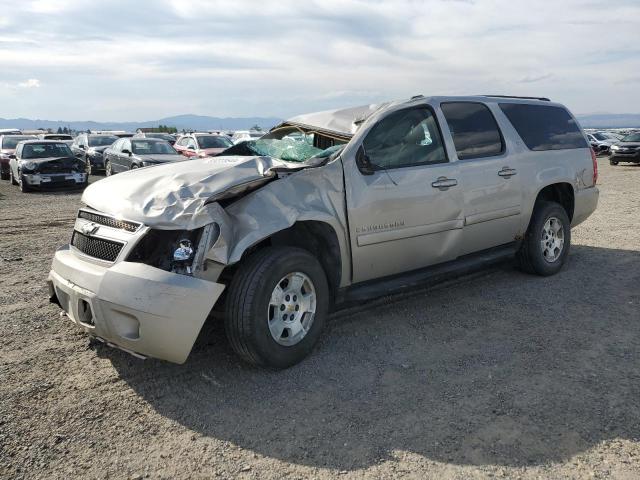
(134, 166)
(87, 166)
(250, 315)
(107, 168)
(4, 175)
(531, 256)
(24, 188)
(613, 162)
(12, 178)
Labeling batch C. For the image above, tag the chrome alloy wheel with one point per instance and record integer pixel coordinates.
(292, 308)
(552, 241)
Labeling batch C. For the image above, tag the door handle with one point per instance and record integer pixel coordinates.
(507, 172)
(444, 183)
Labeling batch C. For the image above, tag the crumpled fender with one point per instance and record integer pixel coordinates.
(311, 194)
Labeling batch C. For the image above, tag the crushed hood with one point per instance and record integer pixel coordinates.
(174, 195)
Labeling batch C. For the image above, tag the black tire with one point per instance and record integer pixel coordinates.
(247, 306)
(24, 188)
(530, 257)
(12, 178)
(613, 162)
(4, 175)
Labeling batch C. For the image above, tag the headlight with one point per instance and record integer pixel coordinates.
(29, 165)
(169, 250)
(615, 147)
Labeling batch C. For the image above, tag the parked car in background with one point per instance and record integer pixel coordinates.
(162, 136)
(130, 153)
(380, 199)
(64, 137)
(202, 144)
(10, 131)
(626, 150)
(46, 163)
(243, 135)
(90, 147)
(601, 142)
(8, 143)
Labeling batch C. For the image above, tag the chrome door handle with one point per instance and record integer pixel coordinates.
(507, 172)
(443, 183)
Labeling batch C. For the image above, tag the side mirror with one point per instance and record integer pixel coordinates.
(128, 152)
(82, 147)
(363, 163)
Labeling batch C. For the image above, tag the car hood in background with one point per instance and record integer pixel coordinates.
(181, 195)
(100, 149)
(628, 144)
(213, 151)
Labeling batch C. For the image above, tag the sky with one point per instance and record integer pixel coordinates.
(126, 60)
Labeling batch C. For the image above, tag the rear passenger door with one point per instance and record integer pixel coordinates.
(112, 156)
(492, 192)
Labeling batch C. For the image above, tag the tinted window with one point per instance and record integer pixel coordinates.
(213, 141)
(149, 147)
(101, 140)
(46, 150)
(11, 142)
(405, 138)
(474, 130)
(543, 127)
(634, 137)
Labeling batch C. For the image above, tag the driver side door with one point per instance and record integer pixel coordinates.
(406, 210)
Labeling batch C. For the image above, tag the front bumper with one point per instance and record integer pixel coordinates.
(633, 157)
(54, 179)
(141, 309)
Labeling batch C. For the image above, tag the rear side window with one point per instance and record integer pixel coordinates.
(474, 130)
(543, 127)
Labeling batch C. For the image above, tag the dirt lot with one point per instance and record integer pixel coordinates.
(499, 375)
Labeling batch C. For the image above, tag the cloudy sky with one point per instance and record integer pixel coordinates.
(146, 59)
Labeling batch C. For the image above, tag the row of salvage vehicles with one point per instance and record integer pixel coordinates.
(36, 163)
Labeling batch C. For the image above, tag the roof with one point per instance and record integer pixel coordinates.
(344, 121)
(35, 140)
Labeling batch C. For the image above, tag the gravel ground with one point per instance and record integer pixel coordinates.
(496, 375)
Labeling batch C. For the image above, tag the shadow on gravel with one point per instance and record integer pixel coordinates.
(506, 369)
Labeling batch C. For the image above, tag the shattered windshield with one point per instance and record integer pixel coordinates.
(286, 149)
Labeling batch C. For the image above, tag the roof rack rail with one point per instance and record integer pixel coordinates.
(544, 99)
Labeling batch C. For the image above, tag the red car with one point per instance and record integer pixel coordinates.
(7, 151)
(202, 144)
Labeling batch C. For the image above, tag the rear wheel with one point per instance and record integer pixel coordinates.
(277, 306)
(547, 241)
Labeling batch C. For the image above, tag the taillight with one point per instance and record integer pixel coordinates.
(595, 166)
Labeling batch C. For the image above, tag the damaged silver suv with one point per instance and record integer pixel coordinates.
(325, 210)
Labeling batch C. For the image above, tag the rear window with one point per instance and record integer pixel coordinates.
(474, 130)
(543, 127)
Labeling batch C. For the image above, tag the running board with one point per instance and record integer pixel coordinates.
(424, 277)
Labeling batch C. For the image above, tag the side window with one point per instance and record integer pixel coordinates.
(192, 144)
(126, 145)
(405, 138)
(544, 127)
(182, 142)
(474, 130)
(19, 151)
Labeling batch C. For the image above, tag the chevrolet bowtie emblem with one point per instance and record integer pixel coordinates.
(89, 228)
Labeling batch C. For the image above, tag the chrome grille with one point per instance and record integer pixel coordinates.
(109, 221)
(96, 247)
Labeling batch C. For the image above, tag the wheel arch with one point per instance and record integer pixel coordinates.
(559, 192)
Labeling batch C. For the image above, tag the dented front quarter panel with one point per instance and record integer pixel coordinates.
(312, 194)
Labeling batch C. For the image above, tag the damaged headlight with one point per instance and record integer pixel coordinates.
(29, 165)
(183, 257)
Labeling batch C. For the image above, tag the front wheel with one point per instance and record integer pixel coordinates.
(277, 307)
(547, 241)
(613, 162)
(24, 188)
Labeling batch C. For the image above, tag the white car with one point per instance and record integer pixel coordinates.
(244, 135)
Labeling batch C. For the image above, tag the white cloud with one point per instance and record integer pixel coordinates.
(30, 83)
(232, 57)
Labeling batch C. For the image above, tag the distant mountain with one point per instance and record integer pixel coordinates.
(610, 120)
(186, 122)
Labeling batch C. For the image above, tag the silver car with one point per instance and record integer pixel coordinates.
(325, 210)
